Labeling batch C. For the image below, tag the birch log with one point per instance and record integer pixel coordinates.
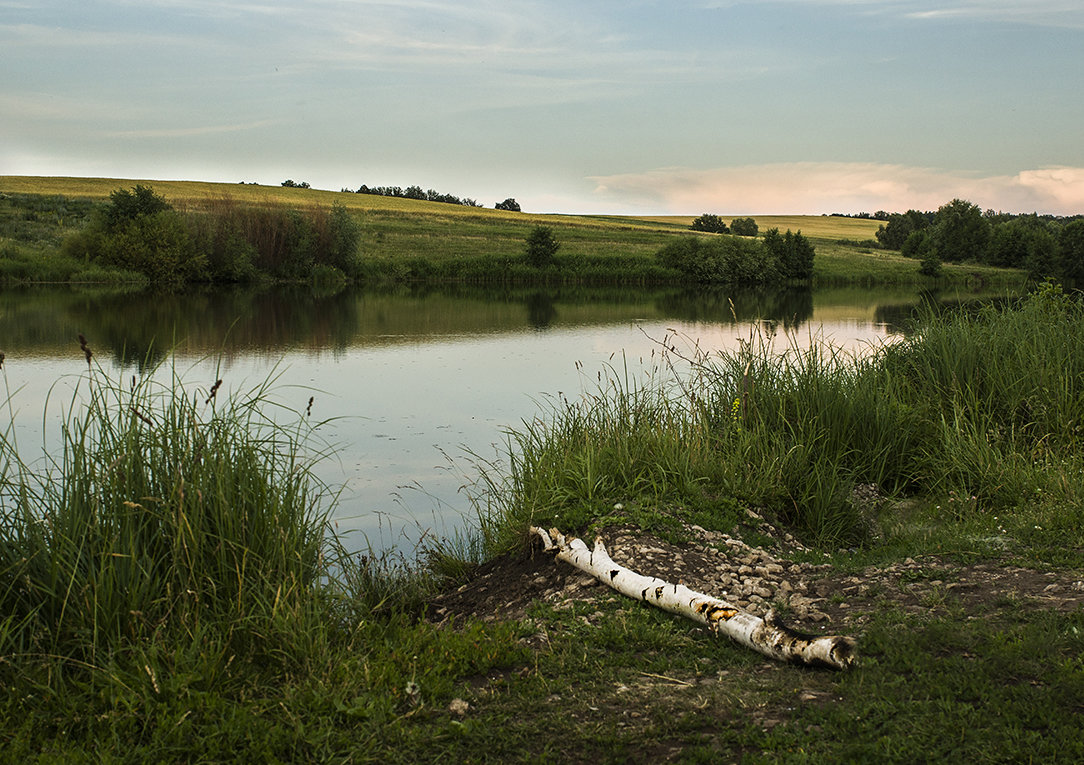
(768, 636)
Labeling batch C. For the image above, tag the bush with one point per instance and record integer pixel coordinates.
(710, 223)
(125, 206)
(509, 204)
(931, 263)
(726, 259)
(793, 253)
(542, 246)
(158, 246)
(744, 227)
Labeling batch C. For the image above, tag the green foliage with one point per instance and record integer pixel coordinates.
(918, 245)
(157, 245)
(931, 263)
(542, 246)
(1042, 259)
(900, 226)
(221, 241)
(792, 252)
(510, 204)
(960, 232)
(724, 259)
(710, 223)
(1071, 252)
(126, 206)
(744, 227)
(988, 405)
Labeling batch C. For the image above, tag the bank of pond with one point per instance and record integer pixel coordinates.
(171, 587)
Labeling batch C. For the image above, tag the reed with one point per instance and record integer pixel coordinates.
(985, 405)
(168, 515)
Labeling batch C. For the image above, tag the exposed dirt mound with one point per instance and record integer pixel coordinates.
(810, 597)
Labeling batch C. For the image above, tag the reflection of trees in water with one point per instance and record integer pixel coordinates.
(145, 331)
(791, 307)
(905, 317)
(142, 329)
(540, 310)
(145, 327)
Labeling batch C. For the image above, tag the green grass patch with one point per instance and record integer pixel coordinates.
(985, 407)
(404, 240)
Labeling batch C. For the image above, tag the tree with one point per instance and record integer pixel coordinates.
(960, 232)
(1011, 241)
(125, 206)
(711, 223)
(294, 185)
(1071, 251)
(542, 246)
(744, 227)
(792, 252)
(509, 204)
(1042, 258)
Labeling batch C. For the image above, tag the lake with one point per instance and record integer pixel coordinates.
(416, 385)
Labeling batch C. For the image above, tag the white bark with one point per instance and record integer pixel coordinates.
(768, 636)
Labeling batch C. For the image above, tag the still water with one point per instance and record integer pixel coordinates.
(415, 385)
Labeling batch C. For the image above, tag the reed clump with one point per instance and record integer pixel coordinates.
(986, 405)
(168, 517)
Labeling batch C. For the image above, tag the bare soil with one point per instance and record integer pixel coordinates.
(810, 597)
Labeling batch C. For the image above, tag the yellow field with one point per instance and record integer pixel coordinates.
(814, 226)
(182, 192)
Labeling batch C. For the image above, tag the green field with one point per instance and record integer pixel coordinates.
(404, 239)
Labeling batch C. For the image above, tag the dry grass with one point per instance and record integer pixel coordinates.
(197, 192)
(818, 226)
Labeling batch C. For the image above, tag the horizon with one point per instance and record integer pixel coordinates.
(859, 214)
(801, 107)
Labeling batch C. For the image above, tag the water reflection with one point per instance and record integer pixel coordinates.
(408, 376)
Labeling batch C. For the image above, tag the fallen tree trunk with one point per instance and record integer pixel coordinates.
(768, 636)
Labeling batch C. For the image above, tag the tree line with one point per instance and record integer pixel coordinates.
(416, 192)
(961, 232)
(714, 224)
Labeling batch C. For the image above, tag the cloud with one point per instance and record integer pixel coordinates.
(186, 132)
(1053, 13)
(826, 187)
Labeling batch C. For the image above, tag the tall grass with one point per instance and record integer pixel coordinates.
(987, 406)
(169, 516)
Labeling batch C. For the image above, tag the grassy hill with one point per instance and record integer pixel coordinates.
(415, 239)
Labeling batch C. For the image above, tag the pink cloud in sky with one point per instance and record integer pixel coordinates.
(849, 187)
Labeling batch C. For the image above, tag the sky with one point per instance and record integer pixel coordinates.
(571, 106)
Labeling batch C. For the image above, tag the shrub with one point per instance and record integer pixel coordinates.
(156, 245)
(931, 263)
(793, 253)
(125, 206)
(542, 246)
(509, 204)
(726, 259)
(744, 227)
(710, 223)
